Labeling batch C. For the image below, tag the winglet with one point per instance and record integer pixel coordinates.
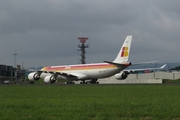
(163, 66)
(123, 54)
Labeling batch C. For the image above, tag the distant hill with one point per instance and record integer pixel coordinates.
(177, 68)
(35, 68)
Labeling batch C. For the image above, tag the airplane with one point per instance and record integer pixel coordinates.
(83, 72)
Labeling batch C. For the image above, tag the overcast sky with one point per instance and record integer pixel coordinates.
(45, 32)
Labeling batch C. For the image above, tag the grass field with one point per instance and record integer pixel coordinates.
(89, 102)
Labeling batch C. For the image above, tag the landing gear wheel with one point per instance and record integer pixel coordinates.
(94, 81)
(70, 82)
(83, 82)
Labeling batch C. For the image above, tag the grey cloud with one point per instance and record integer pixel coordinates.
(29, 16)
(45, 31)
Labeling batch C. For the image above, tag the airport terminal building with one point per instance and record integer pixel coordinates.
(6, 73)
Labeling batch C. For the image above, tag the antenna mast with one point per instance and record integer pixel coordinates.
(82, 49)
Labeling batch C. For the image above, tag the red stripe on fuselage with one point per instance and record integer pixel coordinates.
(79, 67)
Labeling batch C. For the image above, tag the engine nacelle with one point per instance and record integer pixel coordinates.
(121, 76)
(33, 76)
(49, 79)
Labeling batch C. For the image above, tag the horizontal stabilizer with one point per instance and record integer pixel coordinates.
(119, 64)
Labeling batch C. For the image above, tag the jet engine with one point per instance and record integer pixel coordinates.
(121, 76)
(49, 79)
(33, 76)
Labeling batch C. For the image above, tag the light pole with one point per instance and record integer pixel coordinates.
(23, 64)
(15, 58)
(15, 73)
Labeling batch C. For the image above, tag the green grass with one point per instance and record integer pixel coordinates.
(89, 102)
(171, 81)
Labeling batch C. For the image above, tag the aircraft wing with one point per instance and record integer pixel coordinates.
(149, 62)
(141, 69)
(66, 75)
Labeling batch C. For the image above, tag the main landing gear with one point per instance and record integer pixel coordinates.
(83, 82)
(93, 81)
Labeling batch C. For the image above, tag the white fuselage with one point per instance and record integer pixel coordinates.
(87, 71)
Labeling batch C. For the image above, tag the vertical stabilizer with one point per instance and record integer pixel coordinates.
(123, 54)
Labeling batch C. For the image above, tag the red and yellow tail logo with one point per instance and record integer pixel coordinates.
(124, 52)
